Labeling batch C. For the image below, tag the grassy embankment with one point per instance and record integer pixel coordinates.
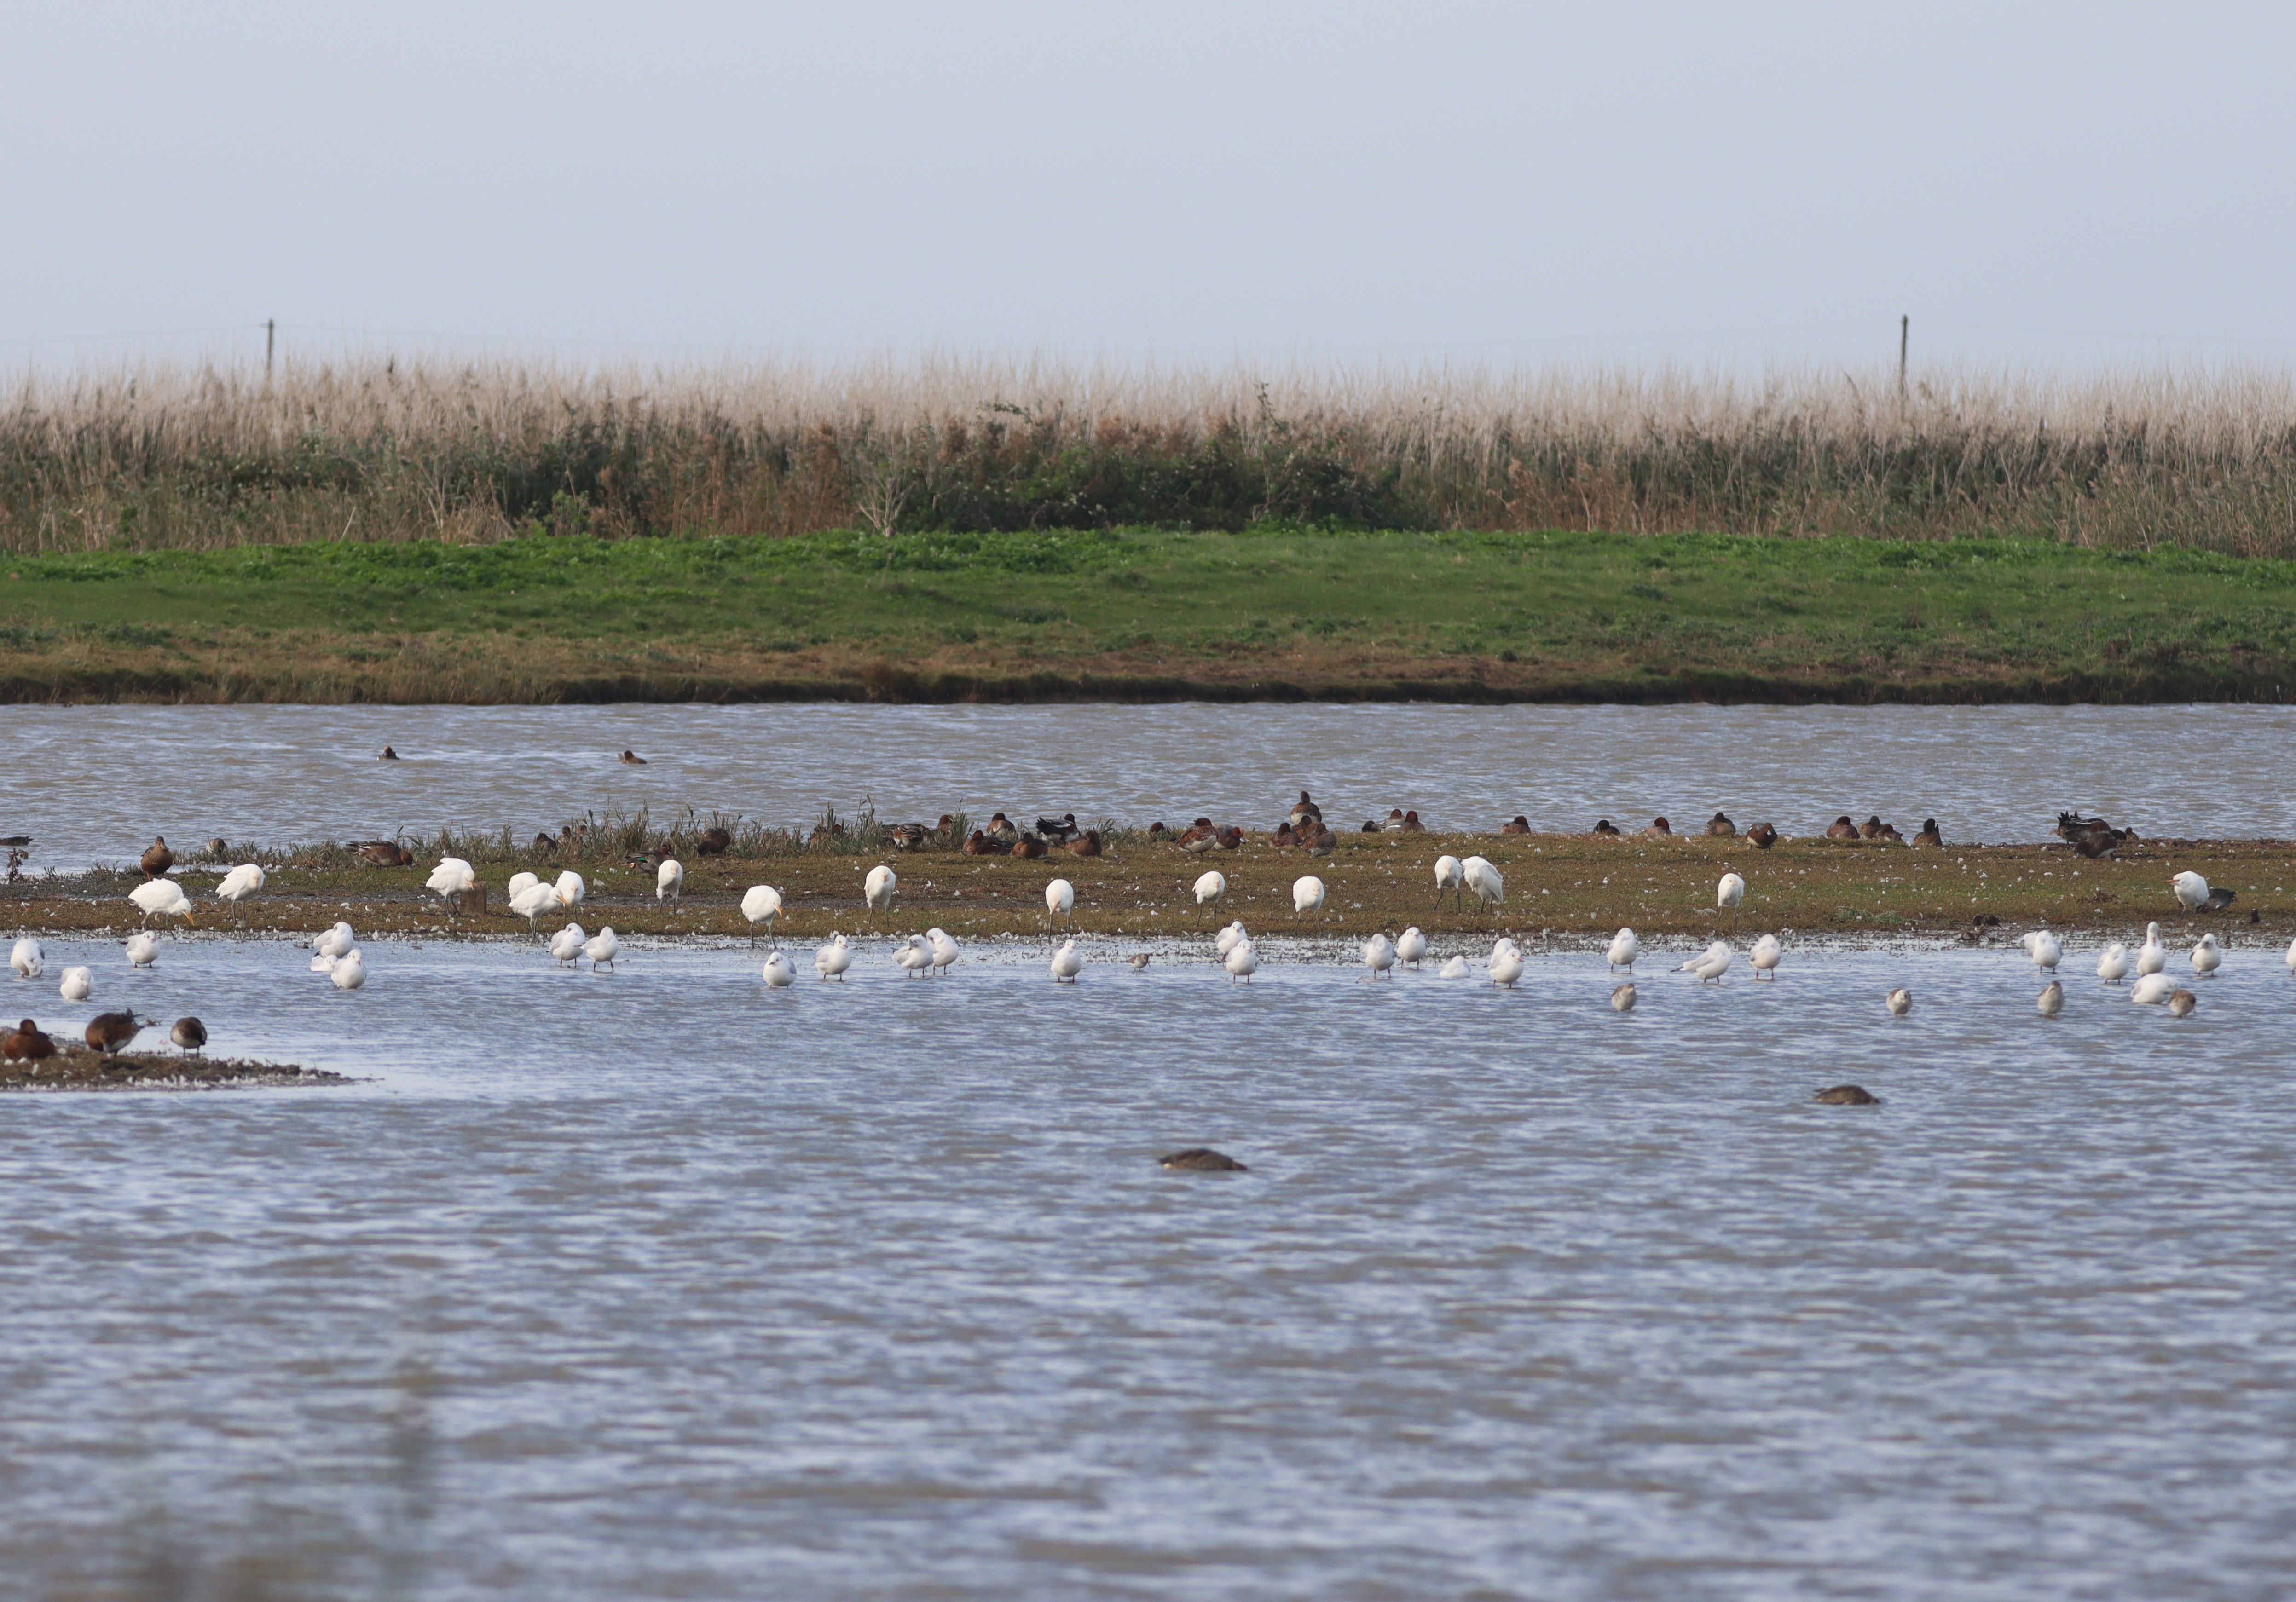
(1264, 613)
(1563, 888)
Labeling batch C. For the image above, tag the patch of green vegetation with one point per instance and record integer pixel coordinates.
(1811, 606)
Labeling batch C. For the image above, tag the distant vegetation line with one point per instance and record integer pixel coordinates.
(379, 450)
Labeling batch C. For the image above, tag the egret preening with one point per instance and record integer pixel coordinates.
(1456, 969)
(1060, 901)
(1209, 889)
(349, 971)
(1379, 956)
(77, 983)
(2112, 963)
(669, 881)
(1900, 1001)
(1411, 946)
(242, 882)
(2192, 891)
(1066, 964)
(2044, 949)
(832, 960)
(566, 944)
(1240, 961)
(2151, 990)
(879, 886)
(1450, 875)
(1307, 896)
(142, 950)
(531, 901)
(1622, 998)
(761, 903)
(2153, 956)
(913, 956)
(160, 898)
(944, 950)
(1507, 961)
(2052, 999)
(779, 975)
(600, 948)
(1624, 949)
(572, 889)
(1766, 957)
(1728, 893)
(449, 879)
(518, 882)
(28, 961)
(2207, 957)
(1483, 881)
(1710, 964)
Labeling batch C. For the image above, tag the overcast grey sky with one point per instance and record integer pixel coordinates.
(2057, 184)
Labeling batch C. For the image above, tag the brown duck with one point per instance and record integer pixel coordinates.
(157, 858)
(26, 1044)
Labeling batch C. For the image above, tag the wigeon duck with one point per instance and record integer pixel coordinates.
(157, 858)
(26, 1044)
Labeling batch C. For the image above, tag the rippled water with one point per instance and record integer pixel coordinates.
(657, 1284)
(97, 782)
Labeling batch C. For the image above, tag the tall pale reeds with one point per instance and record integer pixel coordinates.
(383, 449)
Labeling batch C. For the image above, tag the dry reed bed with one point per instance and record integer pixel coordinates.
(1571, 888)
(375, 448)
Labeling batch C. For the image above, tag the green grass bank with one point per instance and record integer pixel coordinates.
(1266, 613)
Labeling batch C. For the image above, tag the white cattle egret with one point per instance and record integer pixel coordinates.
(1067, 963)
(878, 888)
(1240, 961)
(779, 974)
(161, 898)
(349, 971)
(240, 883)
(832, 960)
(913, 956)
(1624, 949)
(2044, 948)
(572, 889)
(1900, 1001)
(2191, 890)
(945, 950)
(2153, 956)
(518, 882)
(1411, 946)
(2151, 990)
(1060, 901)
(761, 903)
(28, 958)
(2112, 963)
(1766, 956)
(601, 947)
(77, 983)
(1710, 964)
(1456, 969)
(1483, 881)
(669, 881)
(1622, 999)
(1307, 895)
(2206, 956)
(1728, 893)
(1225, 941)
(2052, 999)
(1209, 889)
(449, 879)
(531, 901)
(1505, 964)
(1379, 956)
(1450, 875)
(566, 944)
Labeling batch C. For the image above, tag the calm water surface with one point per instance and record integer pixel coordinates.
(657, 1284)
(97, 782)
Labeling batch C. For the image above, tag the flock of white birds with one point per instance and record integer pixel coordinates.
(336, 953)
